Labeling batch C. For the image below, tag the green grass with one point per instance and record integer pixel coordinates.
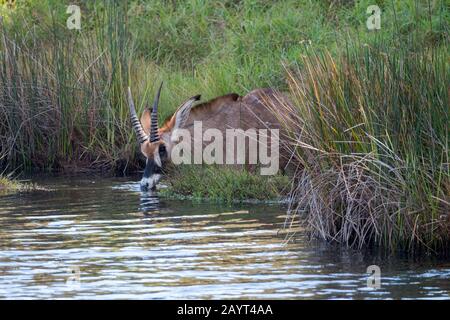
(63, 91)
(8, 185)
(225, 185)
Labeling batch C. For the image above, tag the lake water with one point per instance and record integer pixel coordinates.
(97, 238)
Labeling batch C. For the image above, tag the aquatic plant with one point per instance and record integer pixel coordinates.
(9, 185)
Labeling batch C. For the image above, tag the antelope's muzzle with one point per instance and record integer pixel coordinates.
(152, 175)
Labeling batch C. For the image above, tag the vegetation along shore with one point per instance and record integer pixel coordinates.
(369, 119)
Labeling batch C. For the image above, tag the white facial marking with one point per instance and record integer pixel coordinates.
(157, 158)
(150, 181)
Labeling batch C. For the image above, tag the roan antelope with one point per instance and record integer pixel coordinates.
(230, 111)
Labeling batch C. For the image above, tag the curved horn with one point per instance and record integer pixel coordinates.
(135, 121)
(154, 136)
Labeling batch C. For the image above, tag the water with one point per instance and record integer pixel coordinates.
(101, 238)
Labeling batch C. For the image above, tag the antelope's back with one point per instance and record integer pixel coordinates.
(232, 111)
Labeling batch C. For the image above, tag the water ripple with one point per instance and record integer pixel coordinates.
(104, 239)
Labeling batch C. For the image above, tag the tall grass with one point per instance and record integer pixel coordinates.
(62, 91)
(371, 130)
(61, 96)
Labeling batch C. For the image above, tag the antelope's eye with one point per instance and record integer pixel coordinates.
(162, 151)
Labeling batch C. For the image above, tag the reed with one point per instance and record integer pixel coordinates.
(371, 133)
(62, 101)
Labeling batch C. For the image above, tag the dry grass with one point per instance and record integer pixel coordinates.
(9, 185)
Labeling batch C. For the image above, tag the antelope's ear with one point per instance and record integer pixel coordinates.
(146, 121)
(180, 116)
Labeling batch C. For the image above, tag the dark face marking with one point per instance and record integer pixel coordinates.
(151, 168)
(153, 171)
(162, 153)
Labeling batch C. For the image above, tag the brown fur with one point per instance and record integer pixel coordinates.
(145, 121)
(232, 111)
(148, 149)
(202, 110)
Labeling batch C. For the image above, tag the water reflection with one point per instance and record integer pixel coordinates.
(129, 244)
(149, 202)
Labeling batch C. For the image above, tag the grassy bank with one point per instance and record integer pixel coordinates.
(225, 185)
(9, 185)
